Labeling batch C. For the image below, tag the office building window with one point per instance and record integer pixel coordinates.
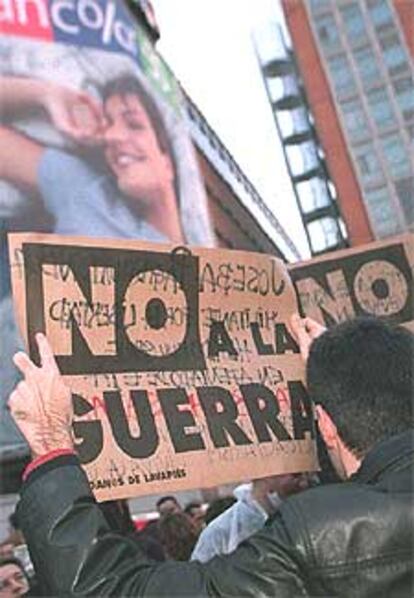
(355, 119)
(353, 21)
(324, 233)
(313, 194)
(404, 92)
(380, 107)
(395, 155)
(302, 157)
(341, 75)
(380, 14)
(368, 163)
(327, 30)
(367, 66)
(405, 192)
(381, 212)
(410, 133)
(319, 4)
(293, 122)
(394, 54)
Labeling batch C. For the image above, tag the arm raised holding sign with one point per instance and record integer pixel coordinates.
(41, 403)
(341, 539)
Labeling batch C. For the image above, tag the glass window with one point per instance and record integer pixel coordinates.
(405, 192)
(410, 133)
(353, 21)
(355, 119)
(367, 66)
(380, 14)
(327, 31)
(341, 75)
(395, 154)
(316, 5)
(324, 233)
(380, 107)
(404, 92)
(381, 212)
(368, 163)
(293, 122)
(302, 157)
(394, 54)
(313, 194)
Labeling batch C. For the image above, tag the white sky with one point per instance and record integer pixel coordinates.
(208, 45)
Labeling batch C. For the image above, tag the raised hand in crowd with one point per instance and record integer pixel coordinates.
(41, 403)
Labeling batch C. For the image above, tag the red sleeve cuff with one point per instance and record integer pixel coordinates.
(44, 459)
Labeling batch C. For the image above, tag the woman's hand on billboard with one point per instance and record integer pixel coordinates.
(75, 114)
(41, 403)
(305, 330)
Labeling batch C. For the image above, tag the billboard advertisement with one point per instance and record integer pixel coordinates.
(93, 140)
(181, 365)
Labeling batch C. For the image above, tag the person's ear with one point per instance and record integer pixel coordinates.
(327, 427)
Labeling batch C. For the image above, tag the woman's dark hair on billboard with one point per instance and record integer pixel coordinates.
(125, 85)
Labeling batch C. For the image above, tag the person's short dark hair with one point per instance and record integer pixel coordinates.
(164, 499)
(361, 372)
(194, 504)
(217, 507)
(118, 516)
(17, 563)
(12, 561)
(127, 85)
(177, 535)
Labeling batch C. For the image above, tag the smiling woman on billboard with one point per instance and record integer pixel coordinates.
(135, 196)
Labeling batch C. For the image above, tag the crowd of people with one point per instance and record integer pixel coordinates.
(287, 535)
(197, 531)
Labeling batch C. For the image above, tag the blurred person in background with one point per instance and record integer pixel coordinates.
(217, 507)
(13, 578)
(167, 505)
(195, 511)
(178, 536)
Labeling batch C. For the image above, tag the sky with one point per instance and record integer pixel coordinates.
(208, 45)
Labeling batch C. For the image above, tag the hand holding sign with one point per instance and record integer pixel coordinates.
(41, 403)
(305, 330)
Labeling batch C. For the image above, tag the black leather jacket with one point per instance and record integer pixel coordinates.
(353, 539)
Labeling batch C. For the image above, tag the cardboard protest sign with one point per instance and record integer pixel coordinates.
(183, 371)
(371, 280)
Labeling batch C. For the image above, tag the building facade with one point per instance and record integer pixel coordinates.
(356, 62)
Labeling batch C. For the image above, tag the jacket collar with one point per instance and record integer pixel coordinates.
(384, 456)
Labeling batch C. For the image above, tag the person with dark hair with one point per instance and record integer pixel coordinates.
(137, 199)
(217, 507)
(354, 538)
(195, 512)
(13, 578)
(178, 536)
(167, 505)
(118, 516)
